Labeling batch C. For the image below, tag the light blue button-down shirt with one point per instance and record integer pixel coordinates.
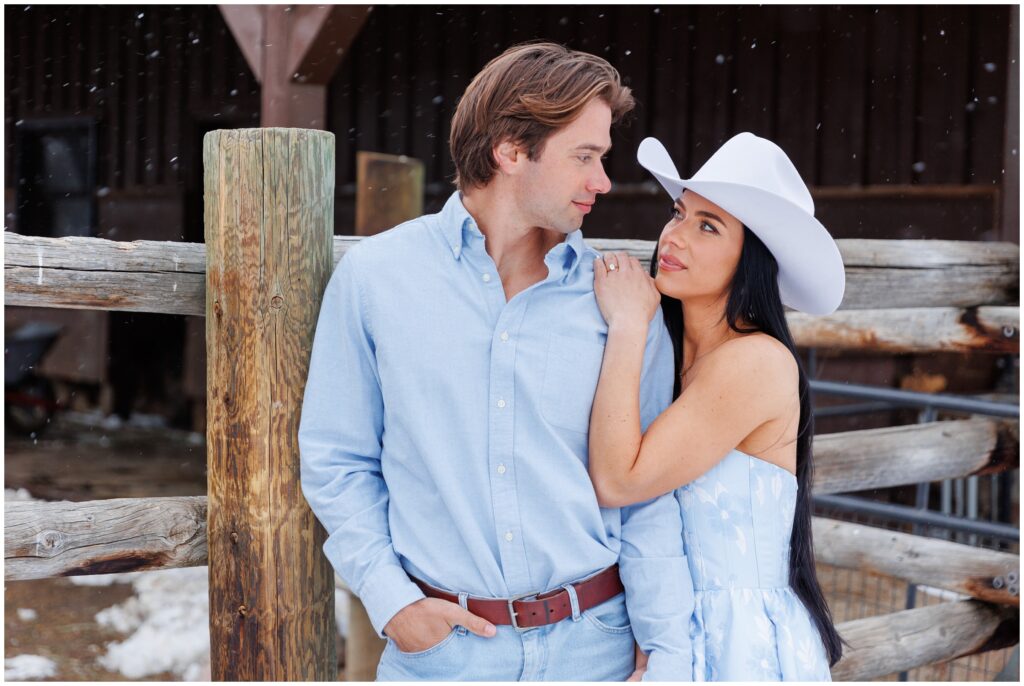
(444, 433)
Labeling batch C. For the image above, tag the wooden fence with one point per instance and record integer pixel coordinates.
(258, 281)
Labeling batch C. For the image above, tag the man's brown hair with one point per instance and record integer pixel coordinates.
(524, 95)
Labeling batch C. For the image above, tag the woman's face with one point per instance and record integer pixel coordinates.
(698, 250)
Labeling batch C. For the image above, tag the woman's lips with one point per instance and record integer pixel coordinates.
(670, 264)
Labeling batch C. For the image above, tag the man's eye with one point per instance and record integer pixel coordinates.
(584, 158)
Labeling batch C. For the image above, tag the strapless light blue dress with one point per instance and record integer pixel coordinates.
(748, 623)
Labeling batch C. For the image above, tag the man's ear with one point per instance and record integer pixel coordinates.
(509, 156)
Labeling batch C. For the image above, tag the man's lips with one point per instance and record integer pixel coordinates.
(669, 264)
(584, 207)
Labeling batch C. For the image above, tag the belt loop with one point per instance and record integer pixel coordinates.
(574, 602)
(464, 604)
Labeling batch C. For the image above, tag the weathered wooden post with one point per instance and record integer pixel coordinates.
(269, 198)
(389, 191)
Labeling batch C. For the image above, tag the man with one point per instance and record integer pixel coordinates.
(444, 427)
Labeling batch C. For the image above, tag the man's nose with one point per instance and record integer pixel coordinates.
(600, 183)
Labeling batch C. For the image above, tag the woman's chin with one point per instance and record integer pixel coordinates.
(665, 287)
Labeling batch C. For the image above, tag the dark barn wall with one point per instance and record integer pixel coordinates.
(856, 95)
(150, 75)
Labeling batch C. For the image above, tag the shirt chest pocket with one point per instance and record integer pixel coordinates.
(570, 379)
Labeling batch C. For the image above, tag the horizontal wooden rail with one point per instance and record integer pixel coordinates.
(975, 572)
(912, 330)
(49, 539)
(883, 645)
(916, 453)
(58, 539)
(168, 277)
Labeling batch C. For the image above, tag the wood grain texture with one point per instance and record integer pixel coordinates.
(48, 539)
(917, 453)
(883, 645)
(953, 566)
(912, 330)
(269, 220)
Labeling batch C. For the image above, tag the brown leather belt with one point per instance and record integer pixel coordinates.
(546, 608)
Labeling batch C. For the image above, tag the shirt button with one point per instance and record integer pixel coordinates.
(504, 335)
(508, 536)
(487, 278)
(501, 403)
(501, 469)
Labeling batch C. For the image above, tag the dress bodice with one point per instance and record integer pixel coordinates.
(738, 518)
(748, 624)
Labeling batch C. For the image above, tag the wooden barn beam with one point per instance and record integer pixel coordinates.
(916, 453)
(321, 37)
(269, 220)
(883, 645)
(49, 539)
(971, 571)
(246, 23)
(294, 50)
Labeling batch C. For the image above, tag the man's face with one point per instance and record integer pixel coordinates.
(557, 190)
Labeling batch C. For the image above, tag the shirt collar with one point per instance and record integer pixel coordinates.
(456, 219)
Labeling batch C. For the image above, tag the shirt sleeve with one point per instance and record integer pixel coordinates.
(340, 448)
(652, 562)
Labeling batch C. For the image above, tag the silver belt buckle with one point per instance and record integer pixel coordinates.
(512, 613)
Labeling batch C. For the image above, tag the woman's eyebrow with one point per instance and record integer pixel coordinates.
(711, 215)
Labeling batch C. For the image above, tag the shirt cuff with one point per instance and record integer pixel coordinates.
(665, 666)
(384, 587)
(385, 592)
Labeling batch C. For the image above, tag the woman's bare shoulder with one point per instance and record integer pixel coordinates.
(759, 355)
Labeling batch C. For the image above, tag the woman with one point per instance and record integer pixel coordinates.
(735, 444)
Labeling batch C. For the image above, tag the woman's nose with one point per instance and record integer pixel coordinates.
(674, 235)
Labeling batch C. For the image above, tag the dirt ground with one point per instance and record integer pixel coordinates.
(64, 629)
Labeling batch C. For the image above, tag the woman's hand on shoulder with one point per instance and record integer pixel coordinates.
(625, 293)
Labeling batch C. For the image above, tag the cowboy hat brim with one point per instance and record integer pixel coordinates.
(812, 278)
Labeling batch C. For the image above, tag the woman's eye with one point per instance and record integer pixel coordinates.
(704, 226)
(675, 213)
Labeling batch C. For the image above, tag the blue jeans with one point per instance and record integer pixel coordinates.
(595, 645)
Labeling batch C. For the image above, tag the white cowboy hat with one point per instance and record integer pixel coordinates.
(753, 180)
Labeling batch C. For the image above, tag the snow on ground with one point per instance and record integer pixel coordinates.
(26, 614)
(11, 495)
(25, 667)
(168, 623)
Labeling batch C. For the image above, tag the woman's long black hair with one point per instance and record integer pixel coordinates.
(754, 296)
